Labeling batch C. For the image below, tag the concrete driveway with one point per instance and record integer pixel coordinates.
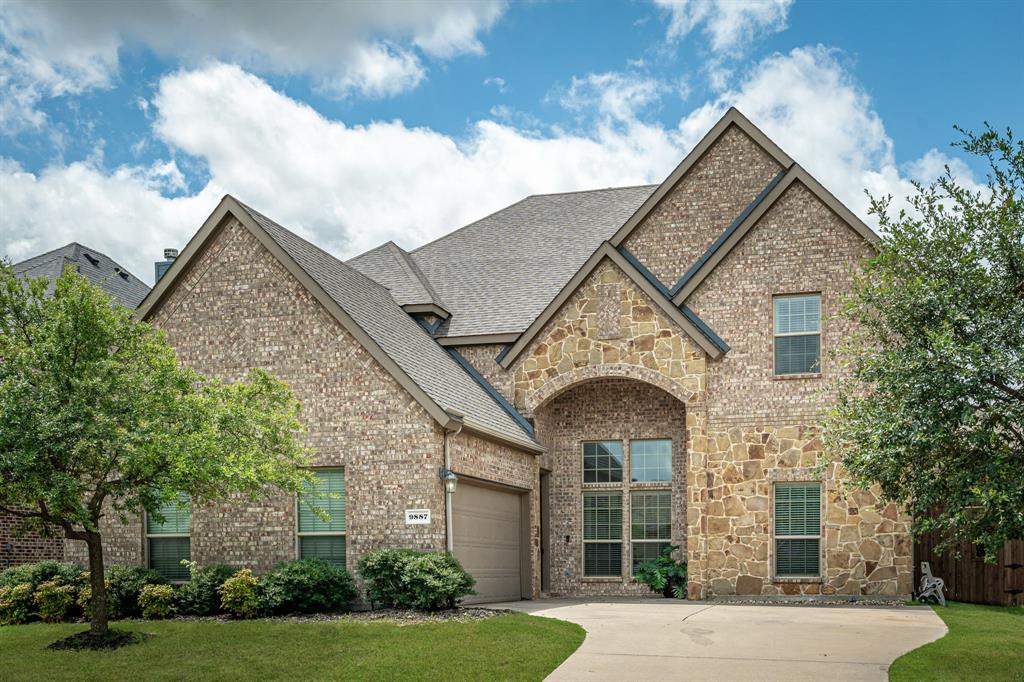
(664, 639)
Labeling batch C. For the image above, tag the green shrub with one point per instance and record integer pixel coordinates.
(124, 585)
(15, 603)
(664, 574)
(239, 595)
(41, 571)
(54, 598)
(199, 597)
(307, 586)
(84, 600)
(157, 601)
(407, 579)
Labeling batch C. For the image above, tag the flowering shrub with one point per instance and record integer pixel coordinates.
(157, 601)
(239, 595)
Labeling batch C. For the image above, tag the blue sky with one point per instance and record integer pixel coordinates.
(356, 124)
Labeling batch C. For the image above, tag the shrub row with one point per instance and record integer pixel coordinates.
(52, 592)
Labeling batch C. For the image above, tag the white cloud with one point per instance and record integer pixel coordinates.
(349, 188)
(616, 95)
(727, 23)
(498, 82)
(58, 47)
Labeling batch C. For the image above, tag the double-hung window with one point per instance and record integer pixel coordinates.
(797, 334)
(602, 510)
(168, 542)
(319, 538)
(602, 533)
(650, 524)
(797, 529)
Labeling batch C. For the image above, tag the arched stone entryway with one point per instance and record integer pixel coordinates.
(640, 417)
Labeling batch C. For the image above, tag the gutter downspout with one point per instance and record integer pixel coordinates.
(449, 536)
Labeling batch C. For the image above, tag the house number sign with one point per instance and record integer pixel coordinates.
(417, 516)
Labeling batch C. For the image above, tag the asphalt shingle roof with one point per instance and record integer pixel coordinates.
(392, 266)
(497, 274)
(377, 313)
(95, 266)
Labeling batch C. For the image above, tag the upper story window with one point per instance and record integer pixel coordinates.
(798, 334)
(602, 462)
(168, 541)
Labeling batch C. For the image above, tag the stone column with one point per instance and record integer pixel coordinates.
(697, 485)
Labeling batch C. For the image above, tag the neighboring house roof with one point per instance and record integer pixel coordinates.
(497, 274)
(94, 265)
(390, 265)
(370, 313)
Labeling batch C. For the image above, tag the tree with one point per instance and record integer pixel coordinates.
(933, 410)
(97, 418)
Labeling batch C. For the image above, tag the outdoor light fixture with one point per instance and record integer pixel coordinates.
(450, 480)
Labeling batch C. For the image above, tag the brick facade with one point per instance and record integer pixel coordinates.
(21, 546)
(610, 410)
(238, 307)
(609, 364)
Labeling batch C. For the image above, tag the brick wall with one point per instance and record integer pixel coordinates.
(604, 409)
(481, 357)
(708, 198)
(237, 308)
(18, 546)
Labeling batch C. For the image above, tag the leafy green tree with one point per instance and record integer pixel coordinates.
(934, 408)
(97, 418)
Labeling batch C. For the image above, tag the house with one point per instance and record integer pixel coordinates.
(16, 546)
(601, 374)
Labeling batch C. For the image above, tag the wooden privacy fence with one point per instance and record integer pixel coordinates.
(969, 578)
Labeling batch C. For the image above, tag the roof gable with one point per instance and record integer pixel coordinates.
(657, 292)
(97, 267)
(367, 311)
(731, 118)
(732, 236)
(393, 267)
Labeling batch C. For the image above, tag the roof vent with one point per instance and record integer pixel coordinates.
(121, 273)
(92, 259)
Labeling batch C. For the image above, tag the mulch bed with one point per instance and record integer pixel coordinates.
(396, 616)
(86, 641)
(768, 601)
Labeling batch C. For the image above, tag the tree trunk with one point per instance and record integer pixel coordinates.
(98, 625)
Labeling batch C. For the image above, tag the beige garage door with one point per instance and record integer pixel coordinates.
(487, 540)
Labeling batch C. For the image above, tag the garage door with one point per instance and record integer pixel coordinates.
(487, 538)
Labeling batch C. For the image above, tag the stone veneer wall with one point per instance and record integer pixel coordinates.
(705, 202)
(238, 307)
(18, 546)
(762, 428)
(604, 409)
(866, 548)
(488, 460)
(608, 327)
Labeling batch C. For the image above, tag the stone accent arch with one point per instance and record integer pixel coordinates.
(563, 382)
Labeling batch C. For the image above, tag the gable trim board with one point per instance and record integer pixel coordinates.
(230, 207)
(477, 339)
(731, 118)
(426, 308)
(656, 294)
(486, 385)
(732, 236)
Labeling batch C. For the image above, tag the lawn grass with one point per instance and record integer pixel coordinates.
(983, 643)
(507, 647)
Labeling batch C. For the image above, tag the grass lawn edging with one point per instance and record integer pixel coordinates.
(512, 646)
(983, 643)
